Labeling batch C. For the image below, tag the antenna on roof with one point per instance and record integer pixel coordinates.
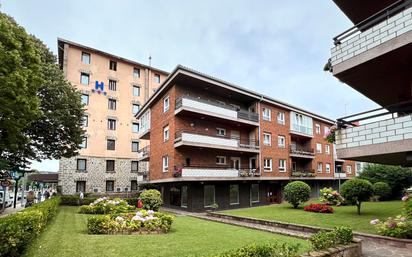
(150, 61)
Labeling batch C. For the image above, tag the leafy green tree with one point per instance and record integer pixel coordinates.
(381, 190)
(357, 191)
(296, 192)
(40, 112)
(398, 178)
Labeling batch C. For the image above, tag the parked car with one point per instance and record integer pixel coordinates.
(8, 199)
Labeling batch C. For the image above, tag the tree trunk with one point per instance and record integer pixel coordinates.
(358, 205)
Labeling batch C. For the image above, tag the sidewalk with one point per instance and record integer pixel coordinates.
(11, 210)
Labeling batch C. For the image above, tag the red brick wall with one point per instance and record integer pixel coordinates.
(323, 157)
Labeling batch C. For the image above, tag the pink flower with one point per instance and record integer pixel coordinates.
(405, 198)
(392, 224)
(374, 222)
(403, 219)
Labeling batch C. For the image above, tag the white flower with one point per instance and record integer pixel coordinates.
(150, 212)
(119, 219)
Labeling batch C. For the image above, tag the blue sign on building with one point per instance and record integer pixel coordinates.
(99, 88)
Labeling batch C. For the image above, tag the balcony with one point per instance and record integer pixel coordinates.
(340, 175)
(302, 174)
(301, 125)
(144, 154)
(144, 132)
(215, 109)
(384, 137)
(301, 152)
(202, 139)
(214, 171)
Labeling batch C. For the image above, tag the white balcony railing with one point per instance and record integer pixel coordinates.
(340, 175)
(200, 172)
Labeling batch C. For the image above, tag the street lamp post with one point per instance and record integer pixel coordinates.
(17, 175)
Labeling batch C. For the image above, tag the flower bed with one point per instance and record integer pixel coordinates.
(318, 207)
(141, 222)
(105, 205)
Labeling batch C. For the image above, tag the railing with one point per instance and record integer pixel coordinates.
(302, 129)
(241, 172)
(241, 114)
(145, 151)
(302, 173)
(373, 20)
(241, 142)
(301, 150)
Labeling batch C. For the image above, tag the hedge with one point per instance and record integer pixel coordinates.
(73, 200)
(274, 249)
(19, 229)
(327, 239)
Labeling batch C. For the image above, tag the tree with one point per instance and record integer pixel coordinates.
(357, 191)
(40, 112)
(152, 199)
(398, 178)
(296, 192)
(381, 190)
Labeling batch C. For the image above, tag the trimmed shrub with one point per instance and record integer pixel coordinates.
(382, 191)
(274, 249)
(317, 207)
(330, 196)
(97, 224)
(105, 205)
(357, 191)
(324, 240)
(131, 200)
(19, 229)
(152, 199)
(296, 192)
(74, 200)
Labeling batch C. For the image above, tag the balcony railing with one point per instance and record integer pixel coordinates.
(214, 170)
(211, 139)
(302, 129)
(216, 107)
(302, 173)
(339, 175)
(303, 151)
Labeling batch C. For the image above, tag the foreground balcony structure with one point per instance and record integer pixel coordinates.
(215, 171)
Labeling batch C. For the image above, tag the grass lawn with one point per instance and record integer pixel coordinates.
(343, 216)
(66, 236)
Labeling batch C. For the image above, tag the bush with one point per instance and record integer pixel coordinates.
(274, 249)
(74, 200)
(317, 207)
(105, 205)
(357, 191)
(19, 229)
(330, 196)
(151, 199)
(381, 190)
(324, 240)
(131, 200)
(297, 192)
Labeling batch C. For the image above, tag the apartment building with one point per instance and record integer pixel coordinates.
(374, 57)
(212, 142)
(113, 90)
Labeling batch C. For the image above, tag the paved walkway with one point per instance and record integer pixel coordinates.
(370, 248)
(11, 210)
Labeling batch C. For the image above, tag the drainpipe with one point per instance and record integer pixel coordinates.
(259, 138)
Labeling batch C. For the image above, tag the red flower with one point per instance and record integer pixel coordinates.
(317, 207)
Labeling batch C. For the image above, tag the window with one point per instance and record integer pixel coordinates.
(166, 104)
(282, 165)
(320, 167)
(317, 127)
(233, 194)
(136, 108)
(134, 166)
(112, 85)
(85, 99)
(85, 58)
(136, 91)
(85, 121)
(136, 72)
(184, 197)
(84, 143)
(80, 186)
(109, 165)
(165, 163)
(349, 169)
(111, 124)
(165, 133)
(157, 78)
(221, 132)
(318, 147)
(281, 141)
(327, 167)
(358, 167)
(220, 159)
(84, 78)
(266, 114)
(209, 195)
(281, 118)
(111, 144)
(267, 139)
(109, 185)
(133, 185)
(254, 193)
(135, 127)
(135, 146)
(267, 164)
(327, 149)
(112, 104)
(301, 123)
(113, 65)
(81, 165)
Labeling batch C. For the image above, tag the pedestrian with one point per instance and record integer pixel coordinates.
(81, 196)
(46, 194)
(38, 196)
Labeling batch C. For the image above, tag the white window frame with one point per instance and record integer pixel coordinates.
(280, 139)
(318, 148)
(86, 75)
(270, 139)
(157, 78)
(327, 167)
(137, 89)
(88, 55)
(221, 132)
(135, 124)
(267, 164)
(327, 149)
(136, 75)
(281, 118)
(138, 108)
(317, 128)
(87, 97)
(266, 114)
(319, 167)
(282, 168)
(83, 144)
(165, 163)
(166, 133)
(219, 157)
(349, 169)
(166, 104)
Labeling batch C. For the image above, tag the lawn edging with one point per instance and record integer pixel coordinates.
(351, 250)
(397, 242)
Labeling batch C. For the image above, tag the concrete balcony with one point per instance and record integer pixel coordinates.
(387, 141)
(339, 175)
(214, 172)
(214, 109)
(301, 152)
(144, 154)
(198, 139)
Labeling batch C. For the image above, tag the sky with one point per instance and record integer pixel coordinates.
(277, 48)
